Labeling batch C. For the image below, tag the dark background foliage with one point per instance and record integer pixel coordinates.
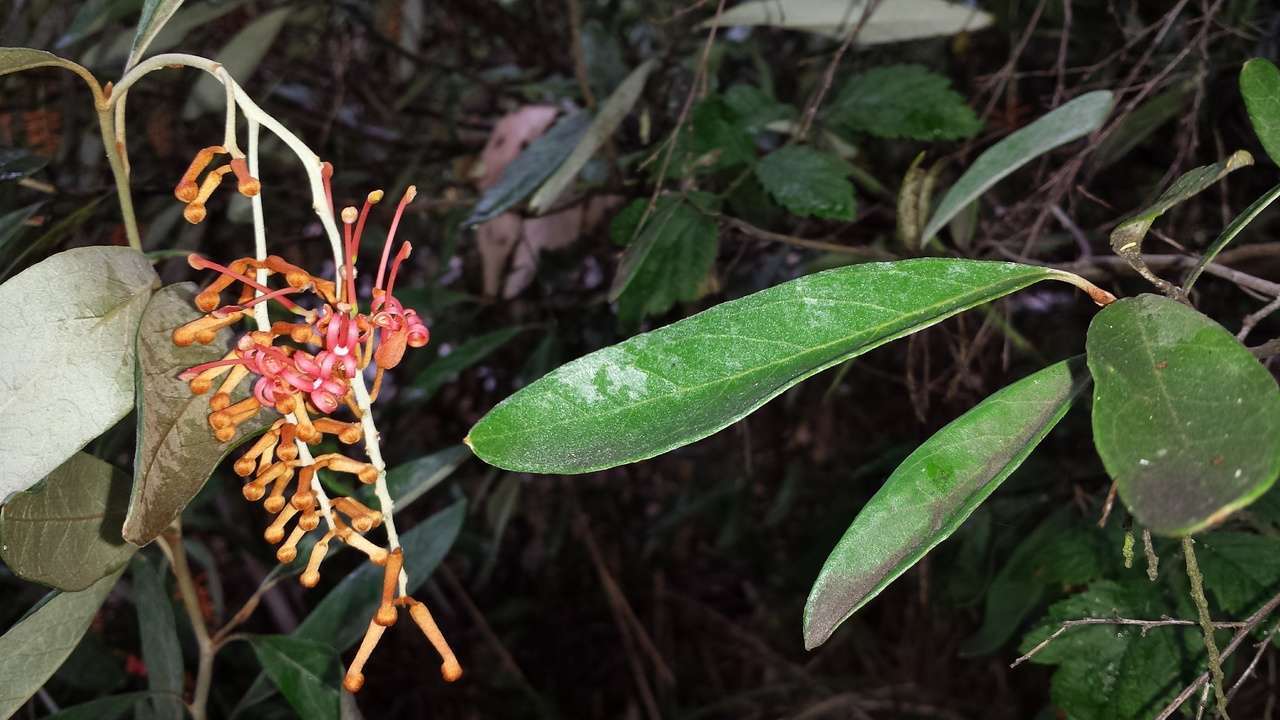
(673, 587)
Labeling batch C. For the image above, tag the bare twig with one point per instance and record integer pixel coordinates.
(1146, 626)
(1254, 620)
(762, 234)
(1206, 624)
(171, 544)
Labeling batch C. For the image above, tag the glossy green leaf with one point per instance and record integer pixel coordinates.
(1070, 121)
(1126, 239)
(305, 671)
(668, 263)
(934, 490)
(1185, 418)
(678, 384)
(176, 450)
(155, 13)
(531, 167)
(35, 647)
(240, 57)
(445, 369)
(161, 652)
(889, 22)
(1107, 672)
(340, 619)
(66, 372)
(808, 183)
(610, 115)
(1260, 86)
(65, 530)
(903, 101)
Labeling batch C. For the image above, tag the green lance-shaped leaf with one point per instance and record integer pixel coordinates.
(305, 672)
(533, 165)
(161, 651)
(1186, 420)
(612, 112)
(1068, 122)
(65, 531)
(155, 13)
(33, 649)
(889, 21)
(1126, 239)
(934, 490)
(1260, 86)
(670, 387)
(66, 364)
(176, 450)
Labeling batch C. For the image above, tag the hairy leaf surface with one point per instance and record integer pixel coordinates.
(667, 388)
(176, 450)
(1185, 418)
(66, 366)
(65, 531)
(934, 490)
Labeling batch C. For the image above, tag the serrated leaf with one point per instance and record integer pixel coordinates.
(34, 648)
(176, 450)
(65, 530)
(1109, 672)
(667, 263)
(1260, 86)
(678, 384)
(531, 167)
(890, 21)
(611, 114)
(155, 13)
(715, 139)
(754, 108)
(241, 57)
(1241, 570)
(358, 594)
(1185, 418)
(1070, 121)
(66, 372)
(305, 672)
(1126, 239)
(161, 652)
(934, 490)
(903, 101)
(808, 183)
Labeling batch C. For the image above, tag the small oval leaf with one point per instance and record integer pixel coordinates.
(1260, 86)
(1060, 126)
(66, 366)
(65, 531)
(1186, 420)
(670, 387)
(176, 450)
(33, 649)
(934, 490)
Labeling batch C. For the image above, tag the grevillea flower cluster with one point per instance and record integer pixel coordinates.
(303, 369)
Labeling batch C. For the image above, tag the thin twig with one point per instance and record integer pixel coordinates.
(171, 544)
(811, 109)
(1146, 626)
(762, 234)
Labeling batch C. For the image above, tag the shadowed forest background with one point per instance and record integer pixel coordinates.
(674, 587)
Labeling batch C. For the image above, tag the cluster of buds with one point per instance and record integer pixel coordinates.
(304, 370)
(196, 194)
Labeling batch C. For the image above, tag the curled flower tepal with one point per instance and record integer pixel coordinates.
(308, 369)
